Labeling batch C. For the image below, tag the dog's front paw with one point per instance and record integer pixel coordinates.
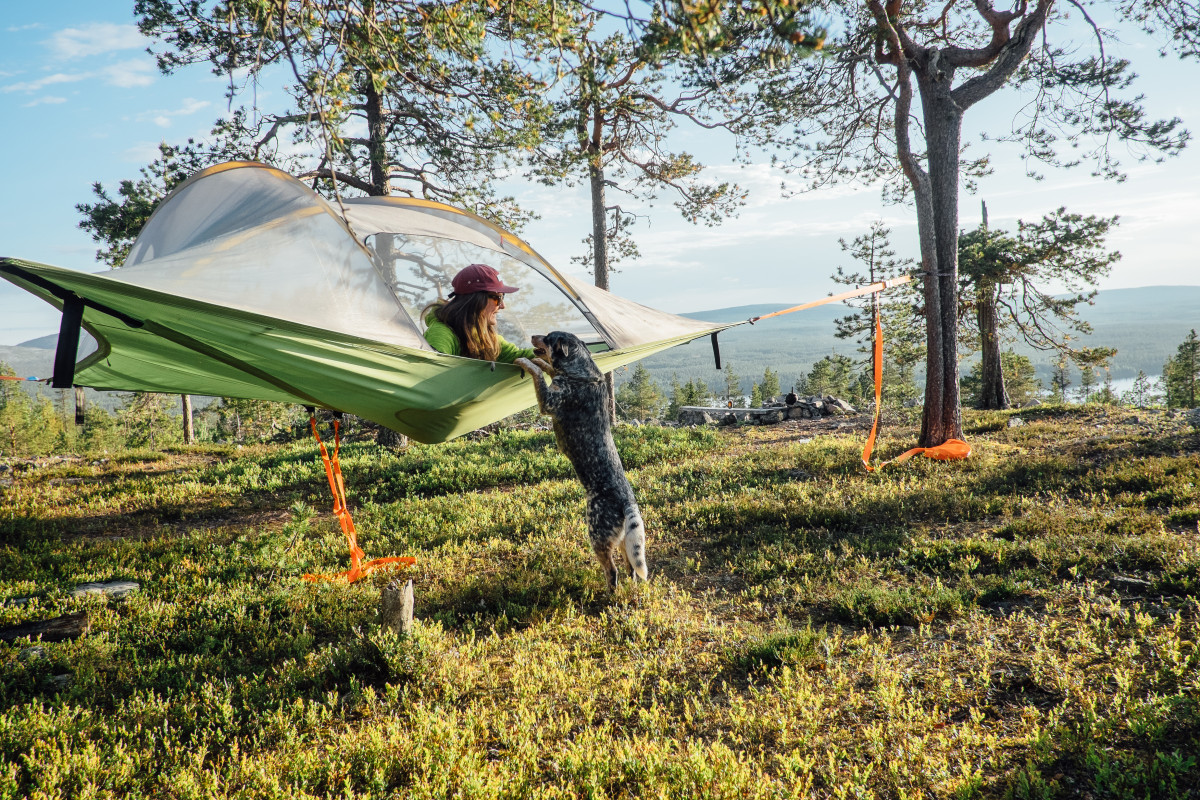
(545, 366)
(529, 367)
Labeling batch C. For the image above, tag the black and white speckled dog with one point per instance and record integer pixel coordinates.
(578, 403)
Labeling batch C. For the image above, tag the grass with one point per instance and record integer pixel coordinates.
(1019, 625)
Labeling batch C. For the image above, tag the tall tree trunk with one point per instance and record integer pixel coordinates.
(942, 419)
(992, 392)
(922, 188)
(933, 315)
(377, 136)
(381, 186)
(599, 223)
(600, 249)
(937, 192)
(386, 437)
(189, 432)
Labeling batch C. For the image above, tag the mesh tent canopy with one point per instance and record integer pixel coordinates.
(246, 283)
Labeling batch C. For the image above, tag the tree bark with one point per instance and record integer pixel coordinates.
(396, 607)
(189, 432)
(942, 419)
(600, 249)
(381, 185)
(599, 223)
(386, 437)
(936, 192)
(934, 385)
(993, 394)
(59, 629)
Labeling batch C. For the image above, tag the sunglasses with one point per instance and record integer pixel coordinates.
(499, 298)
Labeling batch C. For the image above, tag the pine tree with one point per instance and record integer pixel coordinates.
(1090, 359)
(1143, 393)
(768, 387)
(254, 420)
(1004, 288)
(833, 375)
(1020, 380)
(146, 420)
(16, 409)
(898, 308)
(1061, 379)
(640, 397)
(100, 432)
(923, 67)
(732, 385)
(1181, 374)
(692, 393)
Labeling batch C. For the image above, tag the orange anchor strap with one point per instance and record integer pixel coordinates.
(337, 485)
(950, 450)
(873, 288)
(866, 454)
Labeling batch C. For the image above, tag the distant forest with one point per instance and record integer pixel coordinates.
(1145, 325)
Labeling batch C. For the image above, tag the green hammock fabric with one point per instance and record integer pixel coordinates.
(171, 344)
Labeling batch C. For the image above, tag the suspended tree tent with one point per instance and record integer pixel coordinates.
(246, 283)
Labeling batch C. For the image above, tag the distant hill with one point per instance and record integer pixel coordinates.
(35, 358)
(26, 360)
(42, 343)
(1146, 325)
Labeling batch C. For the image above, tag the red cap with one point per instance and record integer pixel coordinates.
(479, 278)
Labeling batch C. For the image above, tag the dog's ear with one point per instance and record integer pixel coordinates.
(563, 347)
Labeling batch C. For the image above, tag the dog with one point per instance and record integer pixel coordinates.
(577, 402)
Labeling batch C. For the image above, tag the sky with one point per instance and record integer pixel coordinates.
(82, 102)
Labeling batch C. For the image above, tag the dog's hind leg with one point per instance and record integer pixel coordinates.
(635, 544)
(604, 554)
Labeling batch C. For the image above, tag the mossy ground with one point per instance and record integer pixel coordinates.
(1021, 624)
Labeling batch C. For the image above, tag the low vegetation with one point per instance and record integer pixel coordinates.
(1022, 624)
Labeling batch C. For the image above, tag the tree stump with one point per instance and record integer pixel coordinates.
(391, 439)
(396, 607)
(68, 626)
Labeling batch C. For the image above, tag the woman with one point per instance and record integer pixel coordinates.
(466, 325)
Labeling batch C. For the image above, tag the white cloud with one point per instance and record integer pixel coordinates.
(190, 106)
(681, 246)
(141, 153)
(126, 74)
(45, 101)
(94, 39)
(163, 118)
(130, 74)
(41, 83)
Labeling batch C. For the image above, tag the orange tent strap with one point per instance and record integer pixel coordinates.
(337, 485)
(866, 454)
(361, 570)
(878, 286)
(950, 450)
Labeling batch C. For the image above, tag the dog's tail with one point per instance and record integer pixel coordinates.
(635, 542)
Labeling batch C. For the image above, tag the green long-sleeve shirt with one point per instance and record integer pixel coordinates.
(441, 337)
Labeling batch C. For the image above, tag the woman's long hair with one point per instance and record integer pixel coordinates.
(463, 314)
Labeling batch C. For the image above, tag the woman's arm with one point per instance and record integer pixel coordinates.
(509, 352)
(441, 337)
